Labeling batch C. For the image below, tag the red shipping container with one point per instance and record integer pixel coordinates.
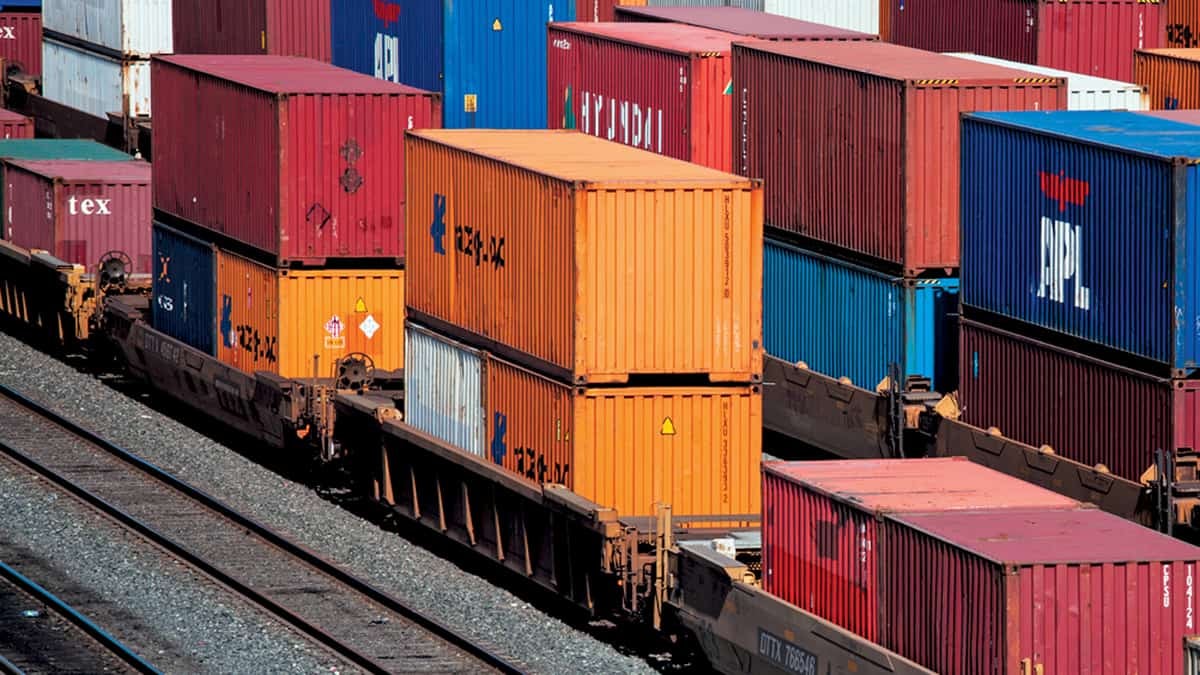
(1093, 37)
(80, 210)
(1036, 591)
(294, 157)
(857, 142)
(676, 105)
(1086, 409)
(15, 125)
(821, 524)
(743, 21)
(601, 10)
(278, 27)
(21, 42)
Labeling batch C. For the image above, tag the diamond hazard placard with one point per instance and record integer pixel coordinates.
(369, 326)
(334, 326)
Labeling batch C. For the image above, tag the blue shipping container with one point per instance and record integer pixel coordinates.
(184, 289)
(488, 57)
(845, 320)
(1084, 223)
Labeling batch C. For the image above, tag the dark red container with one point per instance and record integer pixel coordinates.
(15, 125)
(279, 27)
(858, 141)
(80, 210)
(294, 157)
(742, 21)
(1087, 410)
(21, 41)
(1094, 37)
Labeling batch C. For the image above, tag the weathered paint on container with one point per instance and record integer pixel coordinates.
(821, 533)
(677, 105)
(857, 15)
(885, 185)
(844, 320)
(1087, 410)
(1084, 92)
(128, 27)
(80, 210)
(320, 171)
(602, 10)
(278, 320)
(15, 125)
(279, 27)
(21, 41)
(95, 83)
(1039, 591)
(587, 259)
(395, 40)
(1084, 228)
(742, 21)
(1171, 77)
(443, 389)
(183, 303)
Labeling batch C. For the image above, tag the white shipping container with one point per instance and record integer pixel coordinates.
(443, 389)
(1191, 656)
(756, 5)
(1084, 92)
(131, 27)
(859, 15)
(94, 83)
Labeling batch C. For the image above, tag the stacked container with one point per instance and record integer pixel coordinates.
(865, 16)
(741, 21)
(596, 311)
(21, 36)
(1084, 92)
(277, 27)
(1171, 77)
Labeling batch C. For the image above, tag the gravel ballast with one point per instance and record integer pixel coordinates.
(467, 603)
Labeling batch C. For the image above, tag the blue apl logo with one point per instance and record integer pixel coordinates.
(499, 429)
(437, 230)
(227, 321)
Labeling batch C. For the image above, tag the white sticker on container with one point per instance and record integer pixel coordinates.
(334, 326)
(369, 326)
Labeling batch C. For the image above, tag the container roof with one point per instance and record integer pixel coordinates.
(1190, 54)
(286, 74)
(671, 37)
(1122, 130)
(915, 485)
(1075, 80)
(746, 22)
(577, 157)
(11, 115)
(1047, 537)
(48, 148)
(70, 170)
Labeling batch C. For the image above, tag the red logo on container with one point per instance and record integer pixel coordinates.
(387, 12)
(1064, 190)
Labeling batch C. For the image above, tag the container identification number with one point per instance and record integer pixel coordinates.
(244, 336)
(1180, 35)
(1060, 259)
(470, 242)
(528, 462)
(387, 57)
(792, 658)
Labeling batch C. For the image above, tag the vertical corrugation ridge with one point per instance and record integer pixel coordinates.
(444, 383)
(859, 15)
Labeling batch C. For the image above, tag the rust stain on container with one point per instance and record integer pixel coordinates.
(1171, 77)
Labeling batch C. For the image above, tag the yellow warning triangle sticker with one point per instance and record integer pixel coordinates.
(668, 427)
(496, 25)
(360, 307)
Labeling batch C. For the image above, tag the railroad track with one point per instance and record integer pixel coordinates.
(348, 616)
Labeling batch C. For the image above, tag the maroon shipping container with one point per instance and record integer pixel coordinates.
(15, 125)
(821, 524)
(1093, 37)
(742, 21)
(1037, 591)
(21, 41)
(676, 104)
(1088, 410)
(858, 141)
(279, 27)
(294, 157)
(80, 210)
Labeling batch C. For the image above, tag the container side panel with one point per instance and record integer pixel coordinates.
(220, 26)
(1170, 81)
(29, 219)
(530, 427)
(299, 28)
(21, 46)
(184, 289)
(860, 15)
(605, 10)
(395, 40)
(1001, 28)
(711, 124)
(110, 217)
(1182, 31)
(131, 27)
(1098, 38)
(94, 83)
(443, 384)
(248, 315)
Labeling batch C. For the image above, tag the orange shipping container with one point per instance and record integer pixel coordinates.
(1171, 77)
(589, 260)
(1183, 23)
(278, 320)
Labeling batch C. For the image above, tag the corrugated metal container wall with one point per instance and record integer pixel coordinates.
(602, 10)
(130, 27)
(94, 83)
(394, 40)
(184, 289)
(325, 177)
(530, 425)
(80, 210)
(1088, 410)
(15, 125)
(740, 21)
(1085, 92)
(553, 258)
(677, 105)
(247, 314)
(1182, 24)
(859, 15)
(279, 27)
(443, 389)
(1048, 591)
(1052, 237)
(1191, 656)
(21, 41)
(756, 5)
(887, 117)
(1170, 77)
(849, 321)
(64, 148)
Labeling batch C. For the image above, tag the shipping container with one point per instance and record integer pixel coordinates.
(1171, 77)
(1036, 591)
(395, 40)
(184, 302)
(1191, 656)
(319, 168)
(21, 41)
(97, 84)
(443, 389)
(58, 148)
(1085, 92)
(1087, 410)
(14, 125)
(844, 320)
(741, 21)
(1083, 228)
(858, 15)
(756, 5)
(279, 320)
(277, 27)
(885, 185)
(1092, 37)
(136, 28)
(602, 10)
(1183, 24)
(586, 259)
(821, 524)
(678, 105)
(80, 210)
